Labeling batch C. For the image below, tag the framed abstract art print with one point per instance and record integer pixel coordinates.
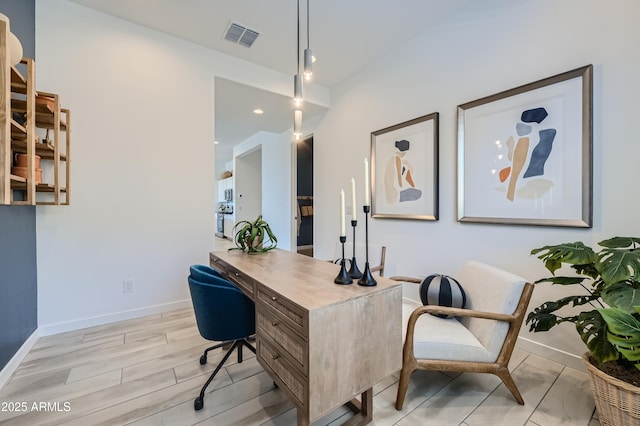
(525, 156)
(404, 170)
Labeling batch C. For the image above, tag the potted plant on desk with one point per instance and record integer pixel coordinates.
(610, 324)
(254, 237)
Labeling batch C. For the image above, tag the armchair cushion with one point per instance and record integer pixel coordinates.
(446, 337)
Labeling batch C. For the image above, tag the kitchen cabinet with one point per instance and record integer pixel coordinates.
(224, 185)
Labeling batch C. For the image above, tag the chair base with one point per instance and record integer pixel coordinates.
(500, 371)
(198, 403)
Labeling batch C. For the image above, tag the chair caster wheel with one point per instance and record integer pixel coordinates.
(198, 404)
(203, 360)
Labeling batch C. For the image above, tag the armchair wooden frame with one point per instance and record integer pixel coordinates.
(380, 268)
(499, 367)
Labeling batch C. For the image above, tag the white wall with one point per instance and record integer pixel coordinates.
(248, 185)
(143, 180)
(276, 180)
(489, 47)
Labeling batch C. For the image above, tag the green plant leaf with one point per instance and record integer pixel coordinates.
(620, 242)
(623, 331)
(622, 295)
(562, 280)
(571, 253)
(542, 317)
(617, 265)
(592, 330)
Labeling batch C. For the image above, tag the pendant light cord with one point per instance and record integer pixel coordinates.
(307, 24)
(298, 45)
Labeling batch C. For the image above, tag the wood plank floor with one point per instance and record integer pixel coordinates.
(146, 372)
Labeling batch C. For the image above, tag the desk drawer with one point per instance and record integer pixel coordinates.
(278, 307)
(282, 338)
(219, 265)
(294, 385)
(241, 280)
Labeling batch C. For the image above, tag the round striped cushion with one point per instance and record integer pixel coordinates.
(442, 290)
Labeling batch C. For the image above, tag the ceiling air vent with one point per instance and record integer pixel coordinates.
(240, 34)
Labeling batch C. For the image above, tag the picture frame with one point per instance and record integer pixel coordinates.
(404, 170)
(524, 156)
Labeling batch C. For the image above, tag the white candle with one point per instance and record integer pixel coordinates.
(353, 199)
(366, 183)
(343, 232)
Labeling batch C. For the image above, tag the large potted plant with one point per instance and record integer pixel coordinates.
(254, 237)
(607, 318)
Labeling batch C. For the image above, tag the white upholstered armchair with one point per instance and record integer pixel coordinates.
(481, 338)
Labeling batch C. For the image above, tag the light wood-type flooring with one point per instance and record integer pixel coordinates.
(146, 372)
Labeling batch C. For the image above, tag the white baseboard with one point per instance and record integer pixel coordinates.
(557, 355)
(17, 358)
(61, 327)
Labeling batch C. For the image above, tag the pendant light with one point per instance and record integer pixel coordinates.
(308, 56)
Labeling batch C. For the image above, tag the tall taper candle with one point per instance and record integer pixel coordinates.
(343, 231)
(353, 199)
(367, 202)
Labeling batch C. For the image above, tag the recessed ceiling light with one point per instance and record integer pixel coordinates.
(258, 111)
(216, 142)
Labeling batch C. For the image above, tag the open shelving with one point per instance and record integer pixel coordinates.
(32, 123)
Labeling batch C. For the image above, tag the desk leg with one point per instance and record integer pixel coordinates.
(302, 419)
(363, 409)
(367, 404)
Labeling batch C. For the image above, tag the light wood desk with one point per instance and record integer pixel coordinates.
(322, 343)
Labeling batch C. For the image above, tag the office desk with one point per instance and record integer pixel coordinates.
(322, 343)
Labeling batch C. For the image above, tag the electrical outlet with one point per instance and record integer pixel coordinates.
(127, 286)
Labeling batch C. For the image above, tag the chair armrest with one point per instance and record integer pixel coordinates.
(445, 310)
(406, 279)
(433, 309)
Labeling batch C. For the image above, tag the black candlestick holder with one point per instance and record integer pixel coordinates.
(366, 279)
(343, 276)
(354, 272)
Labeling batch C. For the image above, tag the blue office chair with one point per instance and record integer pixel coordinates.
(206, 274)
(223, 313)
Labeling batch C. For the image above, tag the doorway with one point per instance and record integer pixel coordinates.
(304, 181)
(248, 185)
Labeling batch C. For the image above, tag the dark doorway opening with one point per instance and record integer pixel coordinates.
(304, 167)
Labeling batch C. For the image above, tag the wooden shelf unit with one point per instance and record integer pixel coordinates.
(23, 125)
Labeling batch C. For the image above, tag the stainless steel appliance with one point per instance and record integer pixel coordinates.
(220, 225)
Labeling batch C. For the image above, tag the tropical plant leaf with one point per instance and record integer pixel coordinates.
(542, 317)
(620, 242)
(592, 330)
(617, 265)
(554, 256)
(541, 321)
(622, 295)
(623, 331)
(562, 280)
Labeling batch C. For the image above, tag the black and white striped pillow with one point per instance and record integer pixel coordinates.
(442, 290)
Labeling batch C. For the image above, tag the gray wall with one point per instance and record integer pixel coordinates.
(18, 271)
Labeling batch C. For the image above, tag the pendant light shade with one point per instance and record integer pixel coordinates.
(297, 124)
(297, 90)
(308, 64)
